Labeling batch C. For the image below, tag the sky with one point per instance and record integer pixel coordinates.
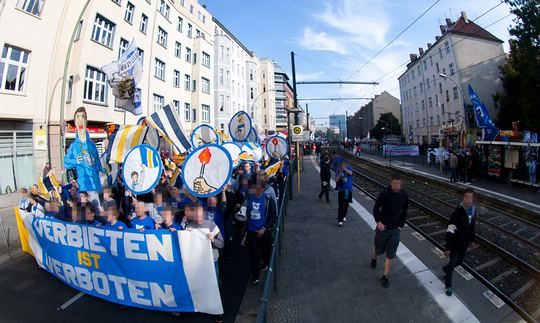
(333, 40)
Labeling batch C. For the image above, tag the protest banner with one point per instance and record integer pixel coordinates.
(276, 146)
(142, 169)
(401, 150)
(204, 135)
(240, 126)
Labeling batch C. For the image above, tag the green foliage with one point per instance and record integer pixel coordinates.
(390, 124)
(521, 74)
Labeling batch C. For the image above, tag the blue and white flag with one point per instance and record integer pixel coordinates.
(156, 269)
(123, 76)
(168, 124)
(482, 117)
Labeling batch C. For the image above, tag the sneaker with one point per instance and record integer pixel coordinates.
(344, 219)
(385, 282)
(255, 281)
(373, 263)
(449, 291)
(219, 318)
(340, 224)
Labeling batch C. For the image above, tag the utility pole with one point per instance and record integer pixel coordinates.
(307, 117)
(294, 88)
(347, 123)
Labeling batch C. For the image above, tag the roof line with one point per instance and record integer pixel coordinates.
(232, 36)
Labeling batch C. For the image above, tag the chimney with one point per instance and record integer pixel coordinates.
(448, 22)
(443, 29)
(464, 16)
(437, 38)
(428, 45)
(420, 51)
(413, 57)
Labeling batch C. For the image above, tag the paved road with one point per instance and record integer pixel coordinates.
(31, 295)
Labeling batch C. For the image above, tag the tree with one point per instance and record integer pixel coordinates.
(521, 73)
(390, 124)
(319, 133)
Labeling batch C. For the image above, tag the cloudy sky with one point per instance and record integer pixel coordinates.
(336, 40)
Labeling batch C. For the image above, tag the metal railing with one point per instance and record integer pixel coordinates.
(271, 274)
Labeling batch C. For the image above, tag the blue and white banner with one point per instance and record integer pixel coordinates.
(483, 120)
(157, 269)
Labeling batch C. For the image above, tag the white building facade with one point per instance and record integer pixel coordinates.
(433, 106)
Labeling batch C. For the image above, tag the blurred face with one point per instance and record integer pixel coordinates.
(24, 195)
(247, 167)
(158, 199)
(106, 194)
(167, 217)
(195, 213)
(212, 201)
(468, 199)
(48, 207)
(134, 177)
(112, 216)
(396, 185)
(89, 216)
(34, 189)
(139, 209)
(258, 190)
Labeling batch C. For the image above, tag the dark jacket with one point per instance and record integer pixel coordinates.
(391, 208)
(325, 172)
(460, 233)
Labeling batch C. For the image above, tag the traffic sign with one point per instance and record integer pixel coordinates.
(297, 133)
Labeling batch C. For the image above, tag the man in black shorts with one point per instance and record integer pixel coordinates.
(390, 212)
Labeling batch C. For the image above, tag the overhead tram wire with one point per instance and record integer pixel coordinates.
(393, 39)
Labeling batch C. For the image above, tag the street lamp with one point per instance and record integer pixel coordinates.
(444, 76)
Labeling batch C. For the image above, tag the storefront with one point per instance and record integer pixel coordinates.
(16, 156)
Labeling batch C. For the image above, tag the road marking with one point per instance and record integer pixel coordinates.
(465, 274)
(494, 299)
(70, 301)
(453, 307)
(418, 236)
(438, 252)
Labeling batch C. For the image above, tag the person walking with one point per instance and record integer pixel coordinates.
(344, 188)
(390, 212)
(460, 236)
(325, 178)
(453, 164)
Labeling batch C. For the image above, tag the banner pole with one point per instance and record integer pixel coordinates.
(298, 164)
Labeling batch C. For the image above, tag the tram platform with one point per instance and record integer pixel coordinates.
(324, 272)
(520, 196)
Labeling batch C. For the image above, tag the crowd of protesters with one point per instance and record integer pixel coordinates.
(244, 212)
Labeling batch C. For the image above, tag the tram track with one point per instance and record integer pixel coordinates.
(505, 260)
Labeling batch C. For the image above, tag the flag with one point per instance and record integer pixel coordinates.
(125, 138)
(123, 76)
(176, 180)
(168, 124)
(148, 158)
(245, 156)
(222, 136)
(483, 120)
(273, 169)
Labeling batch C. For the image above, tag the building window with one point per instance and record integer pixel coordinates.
(130, 10)
(144, 24)
(436, 99)
(118, 2)
(182, 2)
(164, 9)
(70, 89)
(264, 103)
(205, 117)
(158, 102)
(159, 70)
(265, 119)
(228, 78)
(180, 24)
(176, 105)
(421, 87)
(430, 102)
(452, 70)
(220, 76)
(440, 87)
(193, 85)
(95, 86)
(178, 50)
(221, 103)
(431, 120)
(187, 82)
(438, 119)
(123, 46)
(13, 66)
(193, 115)
(447, 96)
(194, 58)
(430, 60)
(447, 45)
(251, 92)
(176, 78)
(455, 89)
(206, 60)
(187, 110)
(427, 83)
(440, 52)
(191, 8)
(423, 104)
(162, 37)
(425, 65)
(33, 7)
(188, 55)
(103, 31)
(189, 30)
(251, 75)
(141, 54)
(205, 85)
(442, 108)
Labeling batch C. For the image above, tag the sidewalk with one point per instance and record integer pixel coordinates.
(324, 273)
(9, 230)
(519, 196)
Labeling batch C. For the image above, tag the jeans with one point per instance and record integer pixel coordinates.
(324, 191)
(453, 175)
(456, 259)
(343, 204)
(258, 248)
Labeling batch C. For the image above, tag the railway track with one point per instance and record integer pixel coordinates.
(506, 258)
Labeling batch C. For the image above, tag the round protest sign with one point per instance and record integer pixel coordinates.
(234, 150)
(253, 135)
(276, 146)
(240, 126)
(206, 170)
(142, 169)
(254, 149)
(204, 135)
